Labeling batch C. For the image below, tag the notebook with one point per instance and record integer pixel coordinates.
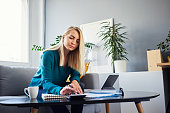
(53, 96)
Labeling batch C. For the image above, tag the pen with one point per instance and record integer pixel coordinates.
(70, 85)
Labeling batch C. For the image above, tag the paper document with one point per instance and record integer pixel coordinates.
(101, 93)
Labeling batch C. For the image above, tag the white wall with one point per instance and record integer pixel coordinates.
(36, 29)
(147, 22)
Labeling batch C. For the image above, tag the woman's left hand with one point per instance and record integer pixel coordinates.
(76, 86)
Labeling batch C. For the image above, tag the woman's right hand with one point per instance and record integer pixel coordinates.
(67, 90)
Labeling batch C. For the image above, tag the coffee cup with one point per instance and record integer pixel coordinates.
(32, 92)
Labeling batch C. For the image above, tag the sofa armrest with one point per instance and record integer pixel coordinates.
(91, 81)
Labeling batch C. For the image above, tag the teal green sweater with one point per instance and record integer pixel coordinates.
(50, 75)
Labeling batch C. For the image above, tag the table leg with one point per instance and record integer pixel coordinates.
(34, 110)
(107, 107)
(139, 107)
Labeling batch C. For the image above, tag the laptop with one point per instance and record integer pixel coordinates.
(110, 82)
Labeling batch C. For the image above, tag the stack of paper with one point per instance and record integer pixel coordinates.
(101, 93)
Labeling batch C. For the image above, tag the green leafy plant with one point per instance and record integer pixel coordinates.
(113, 40)
(58, 38)
(37, 48)
(165, 45)
(89, 45)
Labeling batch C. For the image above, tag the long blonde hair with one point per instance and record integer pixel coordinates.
(76, 57)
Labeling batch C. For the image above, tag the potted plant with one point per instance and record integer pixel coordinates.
(164, 46)
(113, 44)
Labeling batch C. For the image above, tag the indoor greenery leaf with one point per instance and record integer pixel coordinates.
(113, 40)
(58, 38)
(165, 45)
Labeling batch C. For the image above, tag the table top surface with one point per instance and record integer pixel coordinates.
(164, 65)
(129, 96)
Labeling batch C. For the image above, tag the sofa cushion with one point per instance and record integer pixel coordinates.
(13, 79)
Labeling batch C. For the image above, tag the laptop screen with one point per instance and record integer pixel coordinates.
(110, 82)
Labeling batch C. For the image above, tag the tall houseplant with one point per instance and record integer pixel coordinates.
(113, 42)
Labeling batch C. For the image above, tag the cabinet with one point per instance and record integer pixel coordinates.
(151, 81)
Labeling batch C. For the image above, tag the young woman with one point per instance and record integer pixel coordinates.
(57, 63)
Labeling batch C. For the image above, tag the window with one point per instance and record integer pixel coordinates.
(14, 30)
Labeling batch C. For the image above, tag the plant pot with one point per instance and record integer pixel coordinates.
(120, 66)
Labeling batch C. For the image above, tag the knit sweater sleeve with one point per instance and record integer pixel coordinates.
(75, 75)
(46, 67)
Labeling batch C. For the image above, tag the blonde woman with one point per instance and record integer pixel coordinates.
(57, 63)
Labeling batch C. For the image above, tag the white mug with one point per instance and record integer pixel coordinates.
(32, 92)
